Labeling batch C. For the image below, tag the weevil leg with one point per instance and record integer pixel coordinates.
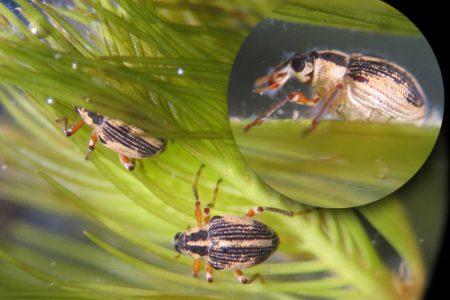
(126, 162)
(72, 129)
(324, 110)
(209, 273)
(196, 267)
(244, 280)
(206, 210)
(216, 192)
(92, 143)
(259, 210)
(301, 99)
(198, 210)
(260, 119)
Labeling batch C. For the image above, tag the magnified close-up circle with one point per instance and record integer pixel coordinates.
(335, 117)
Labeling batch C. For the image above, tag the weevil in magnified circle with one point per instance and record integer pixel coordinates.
(127, 140)
(353, 87)
(228, 242)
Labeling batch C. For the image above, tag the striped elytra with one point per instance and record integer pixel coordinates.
(239, 242)
(229, 242)
(125, 139)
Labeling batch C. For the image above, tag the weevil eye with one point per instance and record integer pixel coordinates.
(298, 64)
(303, 67)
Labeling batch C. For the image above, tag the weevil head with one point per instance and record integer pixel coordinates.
(89, 117)
(300, 66)
(179, 242)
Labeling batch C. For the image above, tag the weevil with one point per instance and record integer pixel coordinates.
(127, 140)
(228, 242)
(353, 87)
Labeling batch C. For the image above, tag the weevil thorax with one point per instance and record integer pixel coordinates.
(92, 119)
(194, 242)
(330, 67)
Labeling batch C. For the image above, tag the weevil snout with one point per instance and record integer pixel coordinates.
(275, 80)
(179, 242)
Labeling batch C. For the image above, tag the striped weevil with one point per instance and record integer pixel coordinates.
(354, 87)
(228, 242)
(127, 140)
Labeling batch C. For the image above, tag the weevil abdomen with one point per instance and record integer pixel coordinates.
(127, 140)
(388, 90)
(239, 242)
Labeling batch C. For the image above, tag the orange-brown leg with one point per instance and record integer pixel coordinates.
(92, 143)
(300, 98)
(126, 162)
(209, 273)
(296, 97)
(198, 210)
(325, 109)
(196, 267)
(244, 280)
(260, 119)
(259, 210)
(206, 210)
(72, 128)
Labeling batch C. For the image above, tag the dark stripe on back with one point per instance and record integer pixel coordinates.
(338, 59)
(201, 235)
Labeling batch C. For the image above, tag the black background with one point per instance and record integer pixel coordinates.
(432, 19)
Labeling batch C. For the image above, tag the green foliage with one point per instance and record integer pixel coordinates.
(122, 59)
(369, 15)
(325, 168)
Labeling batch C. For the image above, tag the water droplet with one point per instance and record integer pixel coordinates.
(4, 167)
(180, 71)
(50, 101)
(74, 66)
(33, 30)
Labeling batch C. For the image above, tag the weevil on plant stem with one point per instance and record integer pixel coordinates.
(127, 140)
(353, 87)
(228, 242)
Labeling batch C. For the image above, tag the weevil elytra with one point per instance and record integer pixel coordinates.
(228, 242)
(127, 140)
(353, 87)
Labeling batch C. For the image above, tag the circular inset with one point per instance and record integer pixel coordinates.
(334, 117)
